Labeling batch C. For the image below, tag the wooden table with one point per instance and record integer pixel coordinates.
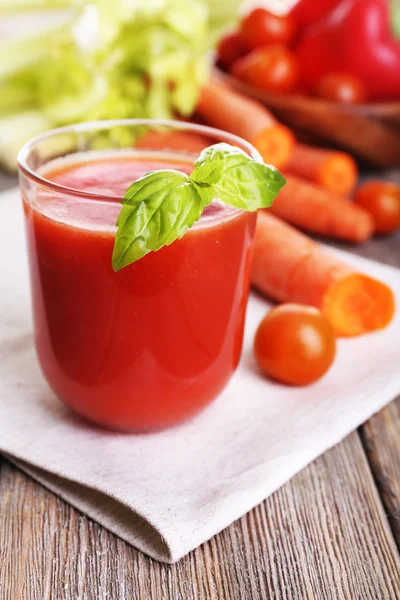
(332, 532)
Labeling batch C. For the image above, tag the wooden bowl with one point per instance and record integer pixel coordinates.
(369, 131)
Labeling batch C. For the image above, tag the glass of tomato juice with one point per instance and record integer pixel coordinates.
(148, 346)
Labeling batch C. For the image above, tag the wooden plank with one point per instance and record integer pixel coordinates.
(381, 434)
(381, 438)
(322, 536)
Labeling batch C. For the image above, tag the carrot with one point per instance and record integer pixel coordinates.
(290, 267)
(311, 208)
(173, 140)
(334, 171)
(226, 109)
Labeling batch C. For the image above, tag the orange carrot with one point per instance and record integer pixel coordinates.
(334, 171)
(226, 109)
(311, 208)
(290, 267)
(173, 140)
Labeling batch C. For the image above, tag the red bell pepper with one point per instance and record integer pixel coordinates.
(307, 12)
(356, 37)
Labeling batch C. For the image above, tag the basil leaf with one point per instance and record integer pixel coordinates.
(210, 165)
(161, 206)
(237, 179)
(157, 209)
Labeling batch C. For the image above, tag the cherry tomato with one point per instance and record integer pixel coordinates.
(274, 69)
(382, 200)
(261, 28)
(229, 49)
(341, 87)
(295, 344)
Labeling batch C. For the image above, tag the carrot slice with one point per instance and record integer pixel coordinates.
(290, 267)
(335, 171)
(357, 304)
(226, 109)
(313, 209)
(275, 144)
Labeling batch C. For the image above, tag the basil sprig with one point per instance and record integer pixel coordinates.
(161, 206)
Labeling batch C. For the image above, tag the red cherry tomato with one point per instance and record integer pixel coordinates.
(229, 49)
(273, 68)
(382, 200)
(295, 344)
(341, 87)
(261, 28)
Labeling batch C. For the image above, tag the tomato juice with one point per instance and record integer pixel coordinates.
(150, 345)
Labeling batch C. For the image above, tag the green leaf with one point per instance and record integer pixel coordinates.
(161, 206)
(17, 5)
(103, 59)
(157, 209)
(237, 179)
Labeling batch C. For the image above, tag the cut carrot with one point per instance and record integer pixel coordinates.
(173, 140)
(313, 209)
(335, 171)
(275, 145)
(226, 109)
(290, 267)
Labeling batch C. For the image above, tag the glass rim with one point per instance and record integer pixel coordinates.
(23, 154)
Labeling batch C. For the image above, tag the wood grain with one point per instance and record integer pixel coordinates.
(381, 437)
(323, 536)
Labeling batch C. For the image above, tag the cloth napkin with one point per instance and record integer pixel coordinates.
(168, 492)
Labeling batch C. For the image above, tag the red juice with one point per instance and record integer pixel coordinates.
(150, 345)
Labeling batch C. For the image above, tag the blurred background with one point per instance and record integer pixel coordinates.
(328, 69)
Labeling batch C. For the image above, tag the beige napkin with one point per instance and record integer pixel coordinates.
(166, 493)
